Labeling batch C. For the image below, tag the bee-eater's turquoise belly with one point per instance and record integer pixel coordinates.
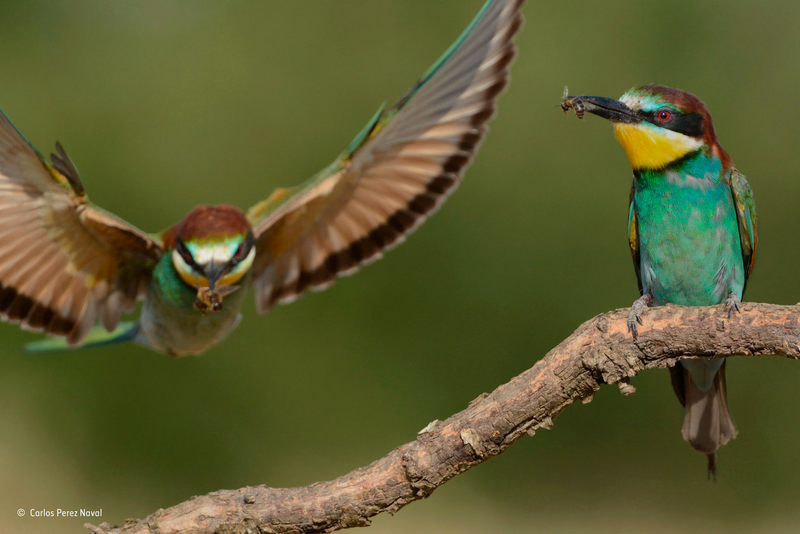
(690, 249)
(689, 242)
(169, 322)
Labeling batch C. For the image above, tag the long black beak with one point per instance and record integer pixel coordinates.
(608, 108)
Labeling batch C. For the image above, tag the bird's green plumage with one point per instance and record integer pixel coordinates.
(688, 231)
(97, 337)
(169, 287)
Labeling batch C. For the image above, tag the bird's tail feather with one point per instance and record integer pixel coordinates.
(707, 420)
(98, 337)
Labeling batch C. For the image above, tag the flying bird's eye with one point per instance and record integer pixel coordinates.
(664, 115)
(183, 250)
(239, 253)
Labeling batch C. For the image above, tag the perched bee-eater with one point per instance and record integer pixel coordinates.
(691, 229)
(66, 265)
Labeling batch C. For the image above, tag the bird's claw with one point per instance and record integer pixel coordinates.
(733, 303)
(635, 315)
(632, 329)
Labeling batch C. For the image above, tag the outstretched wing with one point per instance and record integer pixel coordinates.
(633, 240)
(395, 172)
(746, 216)
(63, 263)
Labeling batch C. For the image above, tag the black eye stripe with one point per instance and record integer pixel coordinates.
(691, 124)
(244, 249)
(186, 255)
(246, 246)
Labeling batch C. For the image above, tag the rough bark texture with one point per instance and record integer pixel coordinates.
(599, 352)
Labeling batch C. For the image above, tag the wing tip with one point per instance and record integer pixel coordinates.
(64, 165)
(405, 220)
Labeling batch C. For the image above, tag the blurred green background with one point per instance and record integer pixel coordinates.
(164, 105)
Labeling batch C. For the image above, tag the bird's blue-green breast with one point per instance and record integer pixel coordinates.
(688, 233)
(168, 286)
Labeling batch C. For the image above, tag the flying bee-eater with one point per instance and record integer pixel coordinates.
(67, 265)
(691, 229)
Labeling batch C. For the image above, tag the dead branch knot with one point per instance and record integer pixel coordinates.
(471, 438)
(430, 427)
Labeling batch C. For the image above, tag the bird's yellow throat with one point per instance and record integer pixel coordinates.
(650, 147)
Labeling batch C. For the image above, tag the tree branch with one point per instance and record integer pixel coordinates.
(599, 352)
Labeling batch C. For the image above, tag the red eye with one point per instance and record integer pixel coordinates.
(664, 115)
(239, 252)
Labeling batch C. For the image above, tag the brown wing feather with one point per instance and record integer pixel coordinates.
(406, 167)
(63, 263)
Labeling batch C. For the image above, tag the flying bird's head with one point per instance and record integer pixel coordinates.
(213, 251)
(655, 124)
